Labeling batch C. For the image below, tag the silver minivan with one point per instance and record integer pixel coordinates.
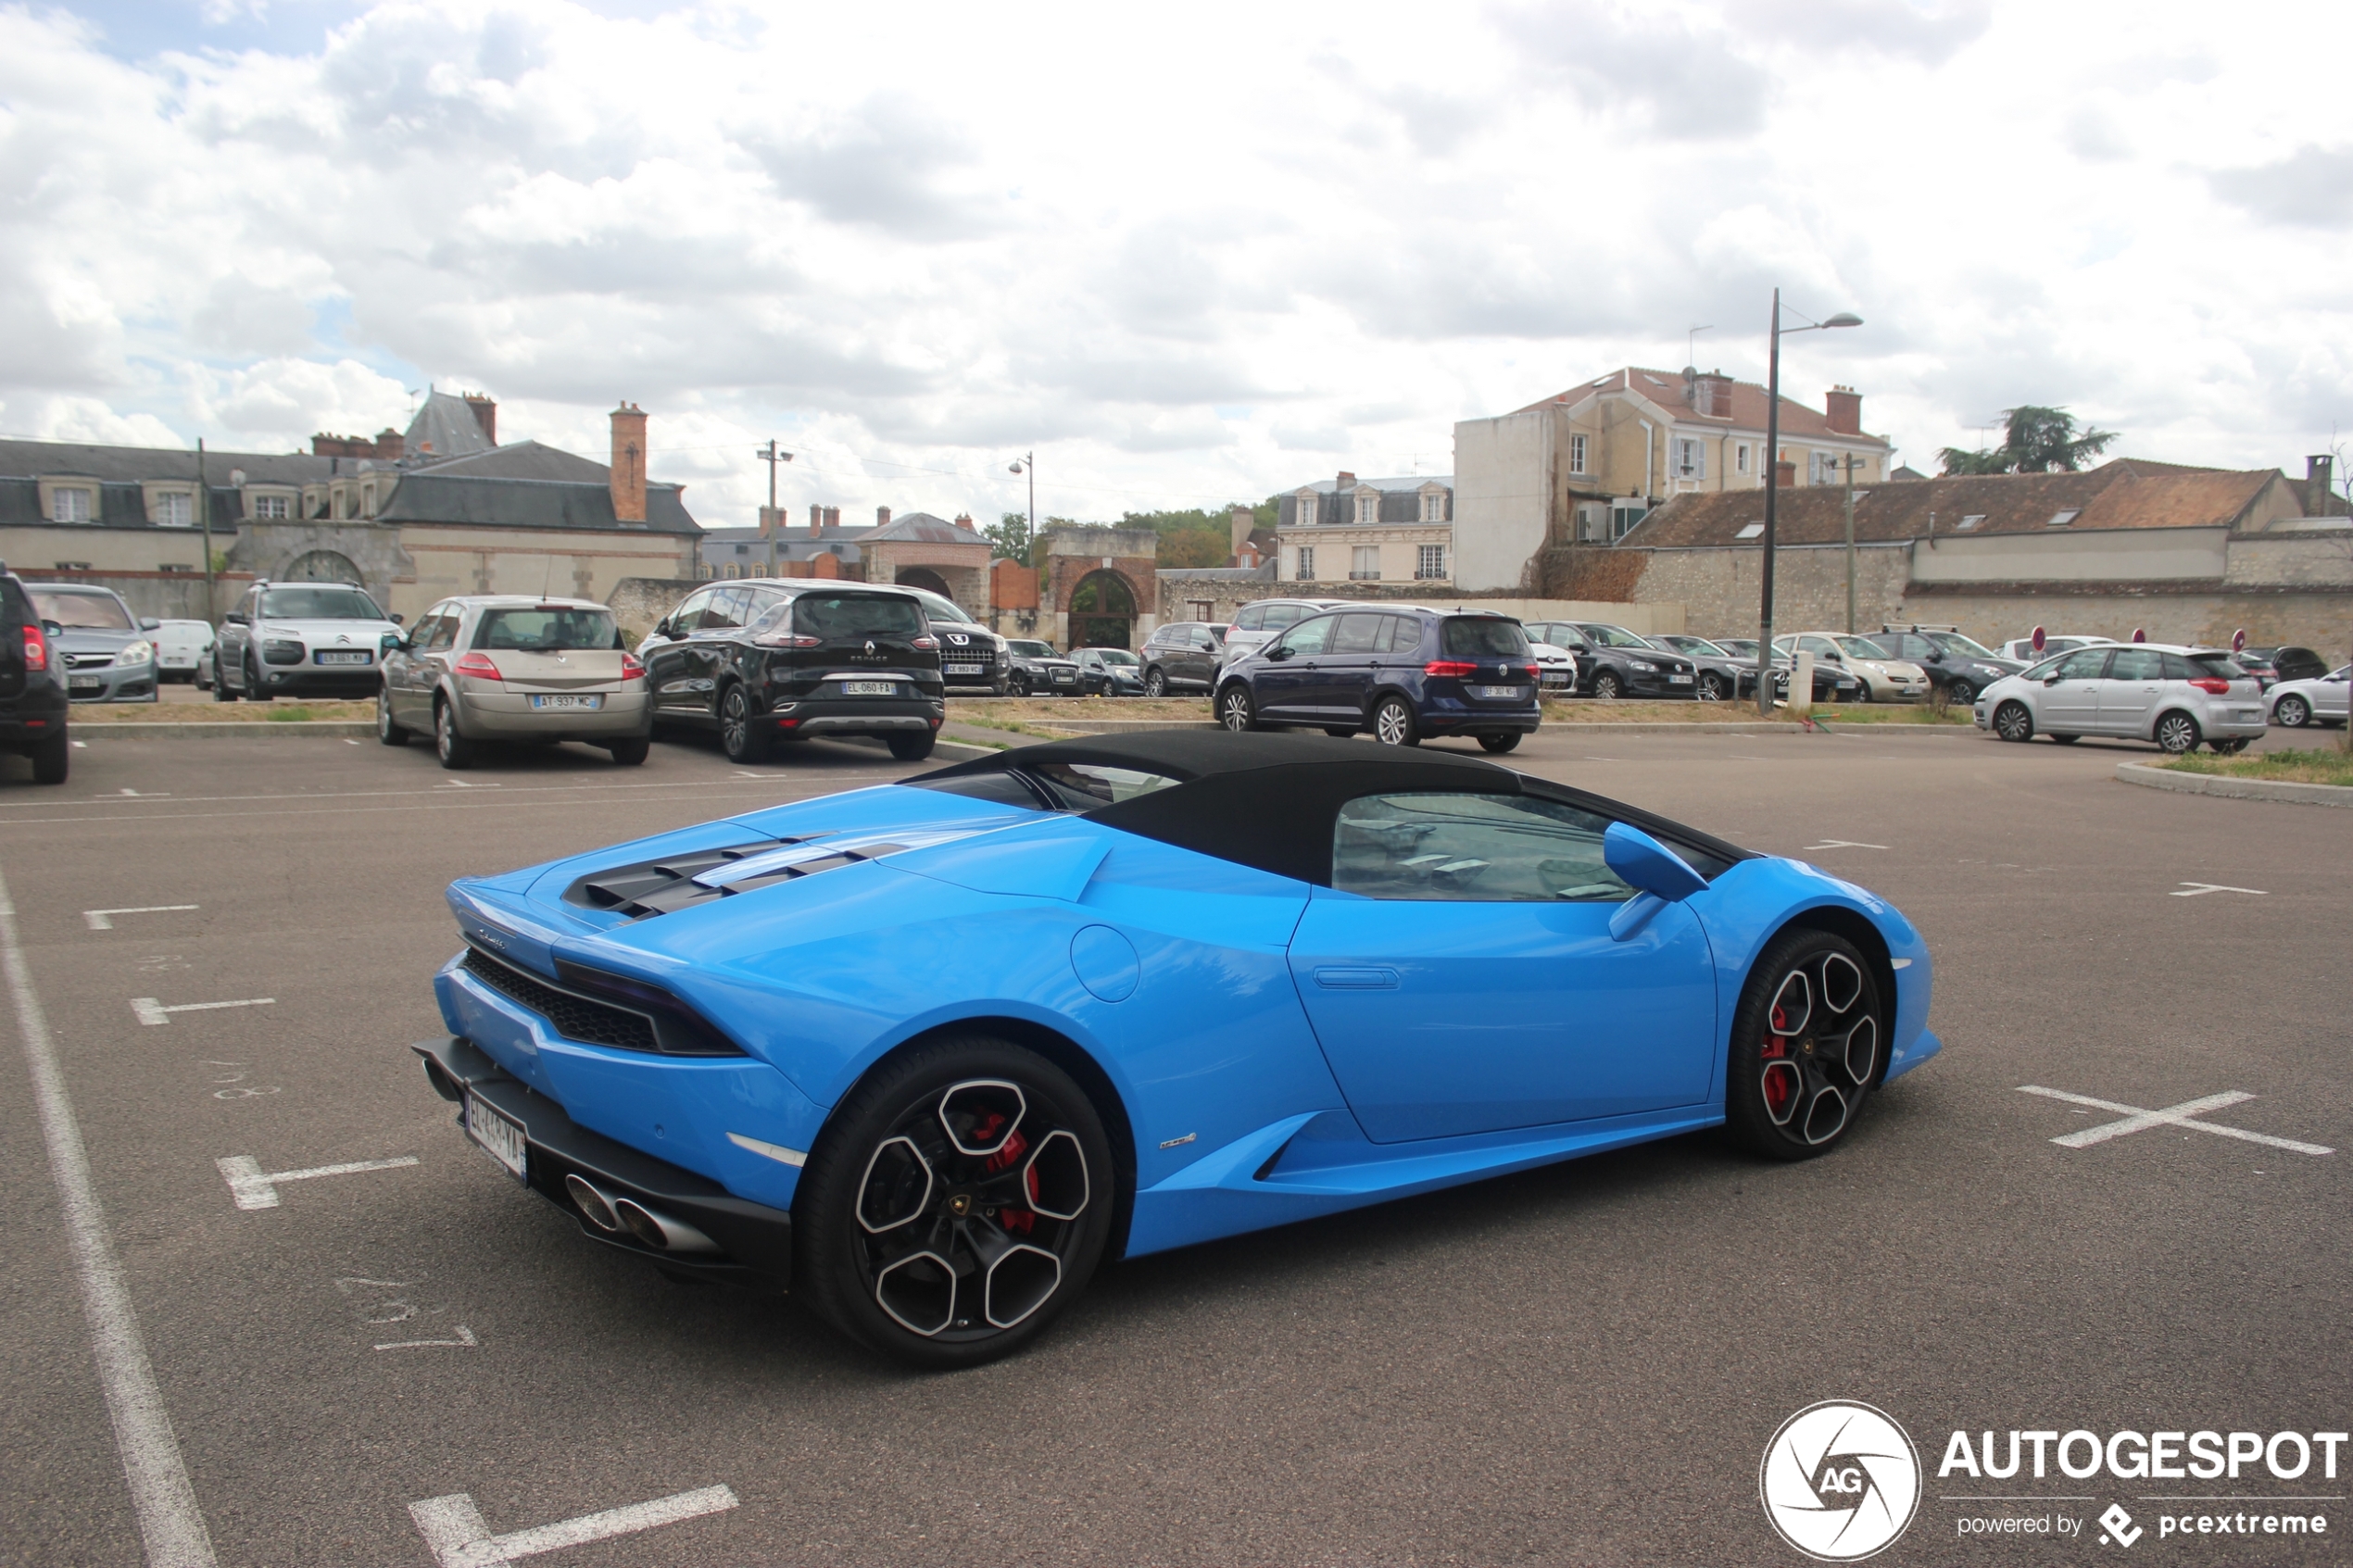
(2175, 695)
(493, 667)
(1255, 625)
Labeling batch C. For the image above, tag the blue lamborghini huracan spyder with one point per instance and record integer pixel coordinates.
(928, 1053)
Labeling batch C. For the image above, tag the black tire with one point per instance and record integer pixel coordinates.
(2012, 722)
(1156, 682)
(221, 692)
(873, 1284)
(255, 690)
(912, 747)
(1796, 1080)
(1236, 711)
(1393, 723)
(2293, 711)
(2177, 733)
(740, 737)
(1608, 686)
(457, 753)
(1499, 742)
(52, 760)
(2227, 747)
(1340, 732)
(386, 731)
(1862, 689)
(631, 753)
(1960, 694)
(1018, 685)
(2065, 740)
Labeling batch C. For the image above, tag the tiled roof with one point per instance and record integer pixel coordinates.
(1665, 389)
(1411, 481)
(2124, 494)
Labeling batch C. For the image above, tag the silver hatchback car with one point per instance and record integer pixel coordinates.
(2175, 695)
(510, 668)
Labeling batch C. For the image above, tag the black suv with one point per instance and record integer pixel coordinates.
(1182, 656)
(33, 689)
(790, 659)
(1612, 661)
(1953, 663)
(1038, 670)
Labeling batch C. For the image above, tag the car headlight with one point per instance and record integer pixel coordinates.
(136, 652)
(1638, 664)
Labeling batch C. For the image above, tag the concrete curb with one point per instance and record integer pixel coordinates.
(1594, 726)
(232, 728)
(2233, 789)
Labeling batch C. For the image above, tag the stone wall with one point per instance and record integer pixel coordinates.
(167, 596)
(638, 602)
(2318, 619)
(1719, 589)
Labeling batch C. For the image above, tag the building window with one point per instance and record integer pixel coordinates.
(269, 506)
(1368, 509)
(1966, 524)
(1307, 563)
(174, 509)
(1203, 610)
(733, 569)
(1691, 457)
(1365, 564)
(2061, 519)
(1307, 510)
(1740, 457)
(1750, 531)
(1577, 454)
(69, 504)
(1434, 506)
(1624, 516)
(1430, 563)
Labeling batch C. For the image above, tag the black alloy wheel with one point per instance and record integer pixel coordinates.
(1961, 694)
(1499, 742)
(221, 692)
(1712, 688)
(2293, 711)
(742, 738)
(2177, 735)
(1807, 1043)
(1018, 684)
(455, 750)
(958, 1198)
(1156, 682)
(255, 690)
(1393, 723)
(386, 731)
(909, 746)
(1607, 685)
(2013, 722)
(1235, 709)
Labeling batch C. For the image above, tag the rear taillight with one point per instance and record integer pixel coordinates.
(36, 650)
(926, 643)
(788, 640)
(478, 665)
(2212, 686)
(630, 669)
(1457, 668)
(1532, 672)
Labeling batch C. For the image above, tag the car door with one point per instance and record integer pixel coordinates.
(1461, 978)
(708, 648)
(667, 660)
(2329, 693)
(1293, 666)
(236, 633)
(2129, 693)
(1206, 645)
(404, 690)
(2070, 703)
(1345, 679)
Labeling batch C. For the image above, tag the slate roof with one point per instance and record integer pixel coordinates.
(437, 495)
(445, 427)
(920, 528)
(1665, 389)
(1403, 483)
(522, 459)
(2127, 493)
(120, 470)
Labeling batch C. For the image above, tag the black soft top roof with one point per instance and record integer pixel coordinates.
(1269, 800)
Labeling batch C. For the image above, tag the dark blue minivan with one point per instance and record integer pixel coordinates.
(1405, 673)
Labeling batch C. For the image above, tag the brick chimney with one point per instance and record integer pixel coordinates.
(1785, 476)
(1843, 410)
(485, 415)
(816, 518)
(2319, 472)
(833, 517)
(965, 521)
(1347, 480)
(772, 519)
(1715, 395)
(1244, 520)
(629, 463)
(882, 517)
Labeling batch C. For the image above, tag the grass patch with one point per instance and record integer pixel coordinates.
(2329, 767)
(1591, 711)
(220, 713)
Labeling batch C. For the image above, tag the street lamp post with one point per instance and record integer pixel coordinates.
(1027, 463)
(1772, 493)
(772, 456)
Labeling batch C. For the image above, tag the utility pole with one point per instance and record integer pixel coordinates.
(769, 455)
(1772, 493)
(1849, 466)
(204, 518)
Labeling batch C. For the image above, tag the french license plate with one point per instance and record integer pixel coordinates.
(358, 655)
(962, 670)
(870, 688)
(1678, 680)
(1504, 694)
(84, 683)
(498, 1134)
(1556, 680)
(591, 701)
(1065, 676)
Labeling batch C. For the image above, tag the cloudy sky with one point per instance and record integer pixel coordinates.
(1188, 252)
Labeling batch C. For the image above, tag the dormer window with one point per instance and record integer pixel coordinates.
(172, 508)
(72, 503)
(1368, 507)
(1310, 509)
(1434, 506)
(272, 507)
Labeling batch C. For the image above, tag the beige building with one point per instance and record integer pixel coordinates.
(1360, 530)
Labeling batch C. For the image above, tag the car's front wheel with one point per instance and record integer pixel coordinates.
(1960, 694)
(740, 736)
(1806, 1046)
(1607, 685)
(1155, 682)
(2177, 735)
(221, 692)
(1018, 685)
(1713, 688)
(1862, 690)
(1235, 710)
(2293, 711)
(958, 1198)
(1499, 742)
(2013, 722)
(255, 690)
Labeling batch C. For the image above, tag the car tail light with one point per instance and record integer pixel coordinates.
(2212, 686)
(1458, 667)
(479, 665)
(36, 650)
(926, 643)
(631, 670)
(788, 640)
(1532, 672)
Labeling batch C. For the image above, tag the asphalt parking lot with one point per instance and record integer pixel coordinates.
(1581, 1365)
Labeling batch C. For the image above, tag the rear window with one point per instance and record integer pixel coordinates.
(2219, 664)
(1484, 637)
(89, 612)
(836, 616)
(553, 630)
(319, 604)
(1082, 786)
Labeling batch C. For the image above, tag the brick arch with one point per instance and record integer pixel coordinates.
(925, 578)
(1100, 606)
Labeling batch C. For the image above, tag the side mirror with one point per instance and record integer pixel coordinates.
(1662, 876)
(52, 629)
(149, 623)
(661, 628)
(1279, 652)
(237, 618)
(396, 619)
(390, 641)
(2052, 679)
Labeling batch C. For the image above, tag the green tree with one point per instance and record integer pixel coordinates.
(1011, 539)
(2034, 440)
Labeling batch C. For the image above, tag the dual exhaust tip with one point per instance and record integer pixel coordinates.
(616, 1216)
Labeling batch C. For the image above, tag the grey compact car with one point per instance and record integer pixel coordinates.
(2176, 696)
(108, 653)
(301, 639)
(511, 667)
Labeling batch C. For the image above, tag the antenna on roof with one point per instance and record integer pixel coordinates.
(1691, 344)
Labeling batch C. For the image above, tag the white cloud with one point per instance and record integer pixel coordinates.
(1187, 255)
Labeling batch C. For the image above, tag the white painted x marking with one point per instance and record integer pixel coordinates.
(2198, 889)
(2183, 1115)
(1843, 843)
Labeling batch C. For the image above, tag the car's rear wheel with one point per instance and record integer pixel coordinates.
(2293, 711)
(1155, 682)
(454, 750)
(52, 760)
(221, 692)
(1807, 1042)
(1235, 709)
(631, 753)
(1960, 694)
(1607, 685)
(2065, 740)
(2013, 722)
(2177, 735)
(958, 1198)
(740, 737)
(1393, 723)
(911, 747)
(386, 731)
(1499, 742)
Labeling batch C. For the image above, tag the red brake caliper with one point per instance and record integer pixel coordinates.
(1780, 1087)
(1005, 1159)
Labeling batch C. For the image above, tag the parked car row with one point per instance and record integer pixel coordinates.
(1402, 672)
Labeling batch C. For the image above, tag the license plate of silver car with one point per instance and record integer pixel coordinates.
(358, 655)
(962, 670)
(590, 701)
(870, 688)
(84, 683)
(1500, 693)
(497, 1134)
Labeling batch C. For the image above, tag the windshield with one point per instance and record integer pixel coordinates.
(1485, 636)
(1032, 651)
(552, 630)
(938, 608)
(1699, 646)
(1114, 656)
(318, 604)
(90, 612)
(1739, 648)
(1614, 637)
(1861, 647)
(1953, 641)
(837, 616)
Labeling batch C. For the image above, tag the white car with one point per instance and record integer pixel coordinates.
(2175, 695)
(2022, 650)
(1555, 669)
(183, 648)
(2320, 700)
(1881, 676)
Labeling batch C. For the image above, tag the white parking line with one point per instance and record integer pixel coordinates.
(152, 1011)
(169, 1522)
(2136, 1120)
(1843, 844)
(255, 1188)
(454, 1528)
(465, 1340)
(100, 920)
(2199, 889)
